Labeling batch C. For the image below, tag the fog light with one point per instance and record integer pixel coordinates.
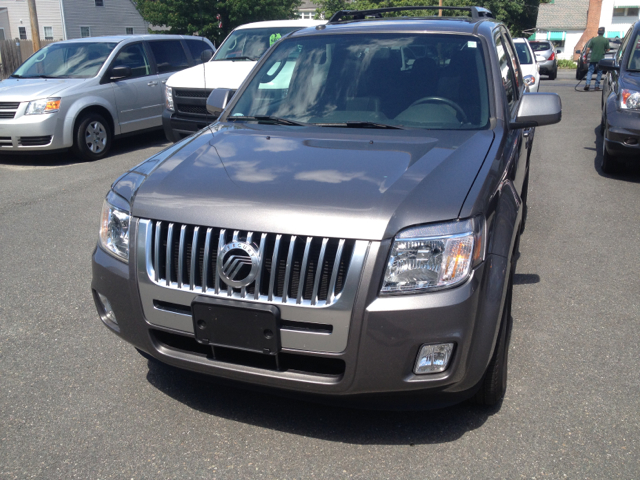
(108, 310)
(433, 358)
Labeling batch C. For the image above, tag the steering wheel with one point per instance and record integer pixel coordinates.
(461, 115)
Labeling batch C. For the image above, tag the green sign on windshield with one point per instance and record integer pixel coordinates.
(274, 38)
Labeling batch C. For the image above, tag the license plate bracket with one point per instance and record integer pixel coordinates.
(233, 324)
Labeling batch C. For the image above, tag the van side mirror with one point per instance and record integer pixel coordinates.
(206, 55)
(218, 100)
(118, 73)
(578, 51)
(538, 109)
(608, 64)
(558, 51)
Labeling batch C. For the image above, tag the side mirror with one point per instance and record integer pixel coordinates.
(118, 73)
(206, 55)
(558, 51)
(218, 100)
(538, 109)
(578, 51)
(608, 64)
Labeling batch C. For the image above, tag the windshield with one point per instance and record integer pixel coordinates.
(404, 80)
(66, 60)
(250, 43)
(634, 58)
(523, 53)
(540, 46)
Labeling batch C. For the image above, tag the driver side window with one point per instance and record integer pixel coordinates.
(134, 57)
(506, 72)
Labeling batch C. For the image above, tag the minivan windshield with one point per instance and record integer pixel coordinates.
(430, 81)
(66, 60)
(250, 43)
(634, 57)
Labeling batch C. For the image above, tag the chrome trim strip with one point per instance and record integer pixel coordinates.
(206, 260)
(168, 258)
(334, 274)
(287, 272)
(194, 259)
(243, 290)
(274, 266)
(183, 231)
(303, 270)
(263, 240)
(220, 245)
(156, 252)
(316, 281)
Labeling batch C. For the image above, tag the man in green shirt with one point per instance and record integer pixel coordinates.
(597, 46)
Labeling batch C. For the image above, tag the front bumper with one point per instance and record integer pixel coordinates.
(383, 339)
(622, 135)
(32, 133)
(177, 126)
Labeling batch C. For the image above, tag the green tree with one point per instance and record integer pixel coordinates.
(508, 11)
(187, 17)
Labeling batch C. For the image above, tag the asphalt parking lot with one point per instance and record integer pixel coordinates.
(77, 402)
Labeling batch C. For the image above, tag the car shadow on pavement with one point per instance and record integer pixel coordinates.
(326, 422)
(121, 146)
(630, 171)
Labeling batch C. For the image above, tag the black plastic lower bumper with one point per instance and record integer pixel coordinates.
(177, 126)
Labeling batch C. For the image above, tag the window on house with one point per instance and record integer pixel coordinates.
(129, 30)
(306, 15)
(99, 3)
(626, 11)
(1, 33)
(23, 33)
(48, 33)
(85, 32)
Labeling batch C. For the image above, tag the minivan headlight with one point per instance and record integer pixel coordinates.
(114, 231)
(629, 99)
(44, 105)
(168, 94)
(433, 257)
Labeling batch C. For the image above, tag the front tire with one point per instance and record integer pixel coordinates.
(92, 137)
(609, 163)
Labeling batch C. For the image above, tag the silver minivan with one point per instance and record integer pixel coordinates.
(81, 93)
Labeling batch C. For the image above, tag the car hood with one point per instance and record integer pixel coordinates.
(210, 75)
(27, 89)
(345, 183)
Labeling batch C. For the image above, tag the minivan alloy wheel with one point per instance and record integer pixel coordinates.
(96, 137)
(92, 137)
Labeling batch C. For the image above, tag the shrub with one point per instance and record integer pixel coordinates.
(567, 64)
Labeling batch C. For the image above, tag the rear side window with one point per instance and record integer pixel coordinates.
(196, 47)
(169, 54)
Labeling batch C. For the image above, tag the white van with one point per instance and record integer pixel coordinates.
(187, 91)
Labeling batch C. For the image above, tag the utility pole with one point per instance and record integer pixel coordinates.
(439, 4)
(35, 29)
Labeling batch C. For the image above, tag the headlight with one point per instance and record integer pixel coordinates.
(114, 231)
(530, 80)
(629, 99)
(44, 105)
(432, 257)
(168, 94)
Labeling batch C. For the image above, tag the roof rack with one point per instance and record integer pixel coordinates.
(477, 13)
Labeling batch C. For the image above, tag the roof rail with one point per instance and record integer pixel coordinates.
(477, 13)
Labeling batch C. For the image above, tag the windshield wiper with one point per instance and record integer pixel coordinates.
(357, 124)
(269, 118)
(253, 59)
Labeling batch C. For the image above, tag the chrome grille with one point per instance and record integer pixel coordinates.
(191, 101)
(293, 269)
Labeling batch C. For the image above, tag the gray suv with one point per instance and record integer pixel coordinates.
(81, 93)
(349, 227)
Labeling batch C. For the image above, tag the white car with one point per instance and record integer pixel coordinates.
(187, 91)
(528, 64)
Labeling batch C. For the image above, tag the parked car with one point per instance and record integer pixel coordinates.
(187, 91)
(348, 227)
(528, 63)
(584, 58)
(81, 93)
(620, 125)
(546, 57)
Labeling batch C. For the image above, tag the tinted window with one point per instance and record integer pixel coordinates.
(409, 80)
(540, 46)
(196, 47)
(67, 60)
(634, 56)
(523, 53)
(169, 54)
(506, 71)
(134, 57)
(250, 43)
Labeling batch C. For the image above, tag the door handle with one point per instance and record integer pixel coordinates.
(151, 84)
(164, 81)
